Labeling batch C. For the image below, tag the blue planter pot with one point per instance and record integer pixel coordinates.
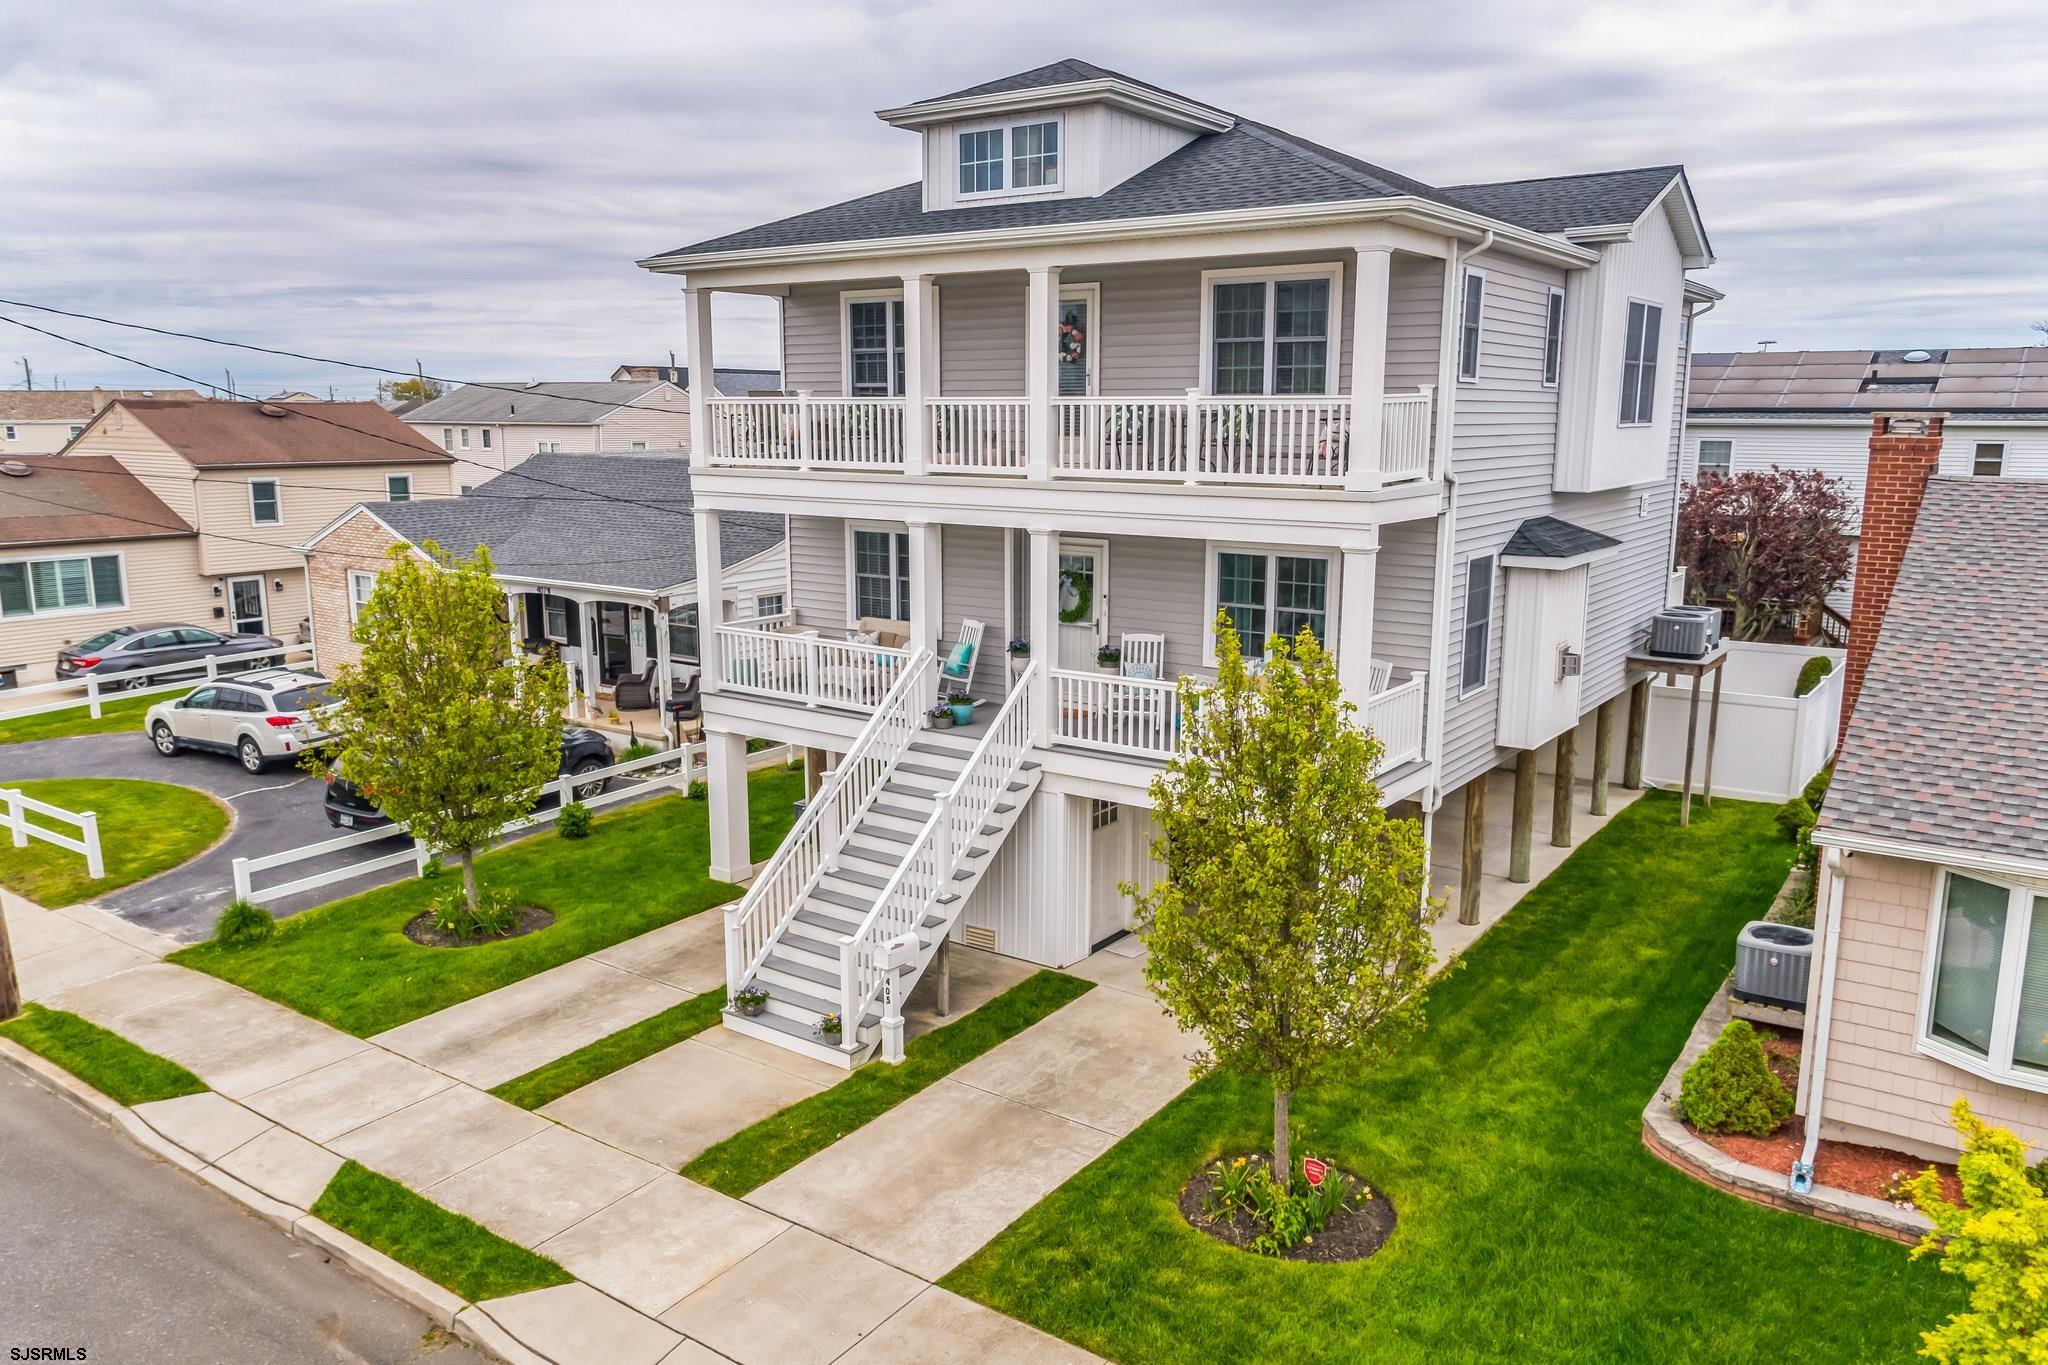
(963, 713)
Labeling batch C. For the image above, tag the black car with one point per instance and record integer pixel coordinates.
(125, 648)
(583, 751)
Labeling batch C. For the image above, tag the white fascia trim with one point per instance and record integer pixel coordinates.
(1153, 104)
(1696, 292)
(1423, 213)
(1968, 860)
(1548, 562)
(336, 525)
(610, 592)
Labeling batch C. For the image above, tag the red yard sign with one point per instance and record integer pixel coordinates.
(1315, 1170)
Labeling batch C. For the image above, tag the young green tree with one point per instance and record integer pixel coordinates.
(1292, 928)
(438, 725)
(1997, 1240)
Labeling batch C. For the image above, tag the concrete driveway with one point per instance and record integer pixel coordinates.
(275, 810)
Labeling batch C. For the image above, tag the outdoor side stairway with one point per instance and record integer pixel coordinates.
(866, 888)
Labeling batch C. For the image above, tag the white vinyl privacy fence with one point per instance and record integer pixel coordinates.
(15, 808)
(1769, 742)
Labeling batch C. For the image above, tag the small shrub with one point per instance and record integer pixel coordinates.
(638, 749)
(434, 868)
(1817, 786)
(1287, 1214)
(1812, 673)
(574, 821)
(242, 924)
(699, 789)
(495, 914)
(1732, 1089)
(1794, 818)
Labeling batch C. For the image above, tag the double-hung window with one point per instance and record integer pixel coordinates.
(1639, 363)
(36, 587)
(1553, 338)
(1472, 313)
(881, 574)
(1478, 641)
(398, 488)
(486, 432)
(1717, 456)
(1267, 594)
(448, 439)
(1988, 461)
(465, 438)
(361, 583)
(554, 617)
(1271, 335)
(10, 432)
(1987, 979)
(547, 447)
(266, 508)
(682, 632)
(1014, 156)
(874, 347)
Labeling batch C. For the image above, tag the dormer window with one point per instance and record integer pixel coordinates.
(1009, 157)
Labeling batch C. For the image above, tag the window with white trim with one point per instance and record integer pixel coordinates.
(41, 587)
(10, 432)
(1986, 988)
(554, 618)
(1101, 814)
(448, 439)
(981, 161)
(881, 574)
(1553, 337)
(1010, 156)
(361, 583)
(637, 448)
(1988, 460)
(874, 346)
(1639, 363)
(1271, 335)
(398, 488)
(682, 632)
(547, 447)
(1471, 319)
(1478, 641)
(465, 438)
(486, 432)
(768, 604)
(1273, 594)
(266, 506)
(1717, 456)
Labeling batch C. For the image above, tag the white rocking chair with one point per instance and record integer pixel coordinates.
(1143, 655)
(956, 670)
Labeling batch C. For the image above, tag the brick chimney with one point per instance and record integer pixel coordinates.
(99, 399)
(1905, 448)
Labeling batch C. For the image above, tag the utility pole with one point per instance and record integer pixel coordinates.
(231, 384)
(10, 986)
(28, 375)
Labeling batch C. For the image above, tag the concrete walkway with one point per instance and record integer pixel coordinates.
(73, 946)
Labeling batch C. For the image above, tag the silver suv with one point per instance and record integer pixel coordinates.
(258, 717)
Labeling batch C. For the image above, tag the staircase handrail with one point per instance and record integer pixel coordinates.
(808, 851)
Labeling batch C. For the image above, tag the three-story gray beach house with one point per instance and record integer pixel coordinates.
(1117, 360)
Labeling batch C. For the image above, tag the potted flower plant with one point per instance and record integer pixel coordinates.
(1020, 657)
(829, 1029)
(750, 1001)
(1109, 659)
(940, 717)
(963, 708)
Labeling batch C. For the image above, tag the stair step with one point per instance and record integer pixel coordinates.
(883, 855)
(875, 829)
(907, 816)
(906, 789)
(793, 1027)
(1003, 807)
(789, 966)
(789, 995)
(930, 770)
(1017, 786)
(1029, 765)
(830, 923)
(857, 877)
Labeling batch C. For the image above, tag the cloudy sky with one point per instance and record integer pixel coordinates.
(466, 185)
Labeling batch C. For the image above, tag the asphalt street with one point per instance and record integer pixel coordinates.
(132, 1259)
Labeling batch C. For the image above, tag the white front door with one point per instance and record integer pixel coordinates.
(245, 606)
(1083, 601)
(1109, 866)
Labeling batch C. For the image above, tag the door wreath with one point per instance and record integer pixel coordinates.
(1077, 597)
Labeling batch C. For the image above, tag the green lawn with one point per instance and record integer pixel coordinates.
(105, 1061)
(545, 1084)
(760, 1152)
(145, 828)
(121, 716)
(351, 965)
(1533, 1225)
(455, 1252)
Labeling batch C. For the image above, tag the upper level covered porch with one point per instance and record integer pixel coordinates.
(1299, 359)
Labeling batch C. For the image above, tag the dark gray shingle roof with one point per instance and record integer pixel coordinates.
(617, 521)
(1550, 538)
(1947, 745)
(1066, 71)
(557, 404)
(1560, 203)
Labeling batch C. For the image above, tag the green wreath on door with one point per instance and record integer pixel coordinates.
(1083, 590)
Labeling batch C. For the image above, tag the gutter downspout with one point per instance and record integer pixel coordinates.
(1824, 1006)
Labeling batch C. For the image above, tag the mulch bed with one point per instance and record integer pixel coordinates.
(1351, 1235)
(422, 930)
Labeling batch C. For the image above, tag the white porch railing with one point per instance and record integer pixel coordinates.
(866, 960)
(1395, 716)
(1123, 715)
(806, 853)
(839, 433)
(17, 805)
(978, 435)
(1404, 436)
(804, 667)
(1120, 438)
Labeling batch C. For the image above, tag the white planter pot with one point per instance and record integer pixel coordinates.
(1108, 670)
(1018, 663)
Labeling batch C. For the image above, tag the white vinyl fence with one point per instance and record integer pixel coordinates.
(1769, 743)
(94, 688)
(15, 808)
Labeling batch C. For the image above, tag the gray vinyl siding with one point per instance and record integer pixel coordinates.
(817, 572)
(1415, 299)
(972, 585)
(1155, 586)
(1405, 586)
(981, 336)
(811, 335)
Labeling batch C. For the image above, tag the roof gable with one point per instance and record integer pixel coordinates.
(208, 433)
(74, 499)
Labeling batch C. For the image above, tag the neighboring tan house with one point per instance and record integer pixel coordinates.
(1117, 360)
(490, 428)
(597, 554)
(1927, 982)
(229, 491)
(41, 421)
(1811, 410)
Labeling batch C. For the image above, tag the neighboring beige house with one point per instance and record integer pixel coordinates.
(41, 421)
(490, 428)
(210, 501)
(1927, 982)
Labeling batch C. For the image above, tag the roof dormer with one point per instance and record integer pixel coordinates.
(1070, 130)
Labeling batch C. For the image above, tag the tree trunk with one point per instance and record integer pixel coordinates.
(1282, 1162)
(10, 987)
(469, 878)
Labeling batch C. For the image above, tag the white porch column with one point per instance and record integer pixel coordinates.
(726, 755)
(710, 600)
(1042, 590)
(1041, 368)
(925, 623)
(1358, 577)
(920, 367)
(658, 623)
(697, 350)
(1368, 363)
(512, 621)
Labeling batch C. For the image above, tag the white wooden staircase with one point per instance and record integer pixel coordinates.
(863, 891)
